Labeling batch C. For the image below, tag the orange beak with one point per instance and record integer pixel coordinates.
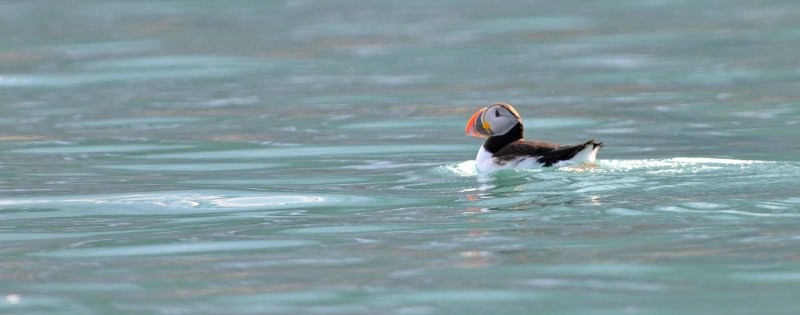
(477, 126)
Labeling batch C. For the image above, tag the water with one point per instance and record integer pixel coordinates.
(204, 157)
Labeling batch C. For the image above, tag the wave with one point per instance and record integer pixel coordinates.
(648, 166)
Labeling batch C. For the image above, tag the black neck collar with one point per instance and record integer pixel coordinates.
(495, 143)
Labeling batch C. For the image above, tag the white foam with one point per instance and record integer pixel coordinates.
(700, 160)
(464, 169)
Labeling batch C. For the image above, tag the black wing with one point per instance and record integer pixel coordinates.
(546, 153)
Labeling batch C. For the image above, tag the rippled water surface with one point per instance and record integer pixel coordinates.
(308, 157)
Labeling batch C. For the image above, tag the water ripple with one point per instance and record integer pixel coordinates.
(191, 167)
(344, 229)
(281, 152)
(153, 68)
(139, 122)
(177, 248)
(790, 277)
(548, 283)
(114, 148)
(168, 202)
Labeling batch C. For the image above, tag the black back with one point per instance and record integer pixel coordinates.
(511, 146)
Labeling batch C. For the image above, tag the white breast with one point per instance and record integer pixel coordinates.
(486, 163)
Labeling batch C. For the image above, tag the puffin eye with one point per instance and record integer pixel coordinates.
(497, 113)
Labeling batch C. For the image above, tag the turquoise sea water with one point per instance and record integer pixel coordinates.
(309, 157)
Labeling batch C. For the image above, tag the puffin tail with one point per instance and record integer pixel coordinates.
(593, 153)
(580, 153)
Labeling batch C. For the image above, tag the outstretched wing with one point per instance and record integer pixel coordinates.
(544, 152)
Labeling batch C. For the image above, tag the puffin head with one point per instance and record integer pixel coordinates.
(494, 120)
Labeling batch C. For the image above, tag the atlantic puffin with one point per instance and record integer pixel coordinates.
(506, 148)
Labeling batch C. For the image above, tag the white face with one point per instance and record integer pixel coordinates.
(500, 119)
(495, 120)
